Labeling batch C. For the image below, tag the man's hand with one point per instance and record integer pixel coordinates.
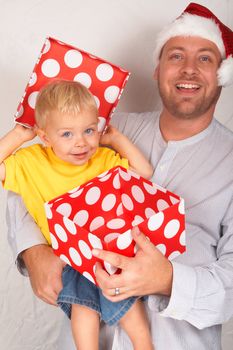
(149, 272)
(45, 271)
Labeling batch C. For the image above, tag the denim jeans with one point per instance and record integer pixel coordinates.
(77, 289)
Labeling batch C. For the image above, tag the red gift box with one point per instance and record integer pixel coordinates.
(58, 60)
(102, 212)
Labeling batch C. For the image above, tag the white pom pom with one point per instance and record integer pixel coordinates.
(225, 72)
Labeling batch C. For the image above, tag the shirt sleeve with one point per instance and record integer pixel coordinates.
(110, 159)
(23, 233)
(10, 183)
(202, 295)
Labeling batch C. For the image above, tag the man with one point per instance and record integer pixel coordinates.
(192, 155)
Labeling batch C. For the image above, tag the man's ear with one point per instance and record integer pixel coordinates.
(43, 136)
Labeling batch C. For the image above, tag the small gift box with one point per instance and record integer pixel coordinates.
(102, 212)
(58, 60)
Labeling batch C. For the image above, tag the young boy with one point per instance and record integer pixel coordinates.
(67, 124)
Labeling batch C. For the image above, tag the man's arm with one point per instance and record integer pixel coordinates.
(200, 295)
(31, 251)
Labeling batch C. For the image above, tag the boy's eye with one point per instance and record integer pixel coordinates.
(89, 131)
(66, 134)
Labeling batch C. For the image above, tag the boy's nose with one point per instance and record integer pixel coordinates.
(79, 142)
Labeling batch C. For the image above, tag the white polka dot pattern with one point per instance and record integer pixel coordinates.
(115, 223)
(32, 99)
(70, 226)
(81, 217)
(54, 241)
(104, 72)
(171, 228)
(85, 249)
(110, 268)
(50, 68)
(101, 213)
(111, 236)
(155, 221)
(58, 60)
(162, 248)
(108, 202)
(65, 259)
(93, 195)
(73, 58)
(123, 241)
(64, 209)
(84, 79)
(96, 223)
(127, 201)
(88, 276)
(60, 232)
(95, 241)
(48, 211)
(75, 256)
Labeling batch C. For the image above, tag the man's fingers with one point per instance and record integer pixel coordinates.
(114, 259)
(104, 280)
(142, 241)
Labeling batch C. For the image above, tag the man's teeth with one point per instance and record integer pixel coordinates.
(187, 86)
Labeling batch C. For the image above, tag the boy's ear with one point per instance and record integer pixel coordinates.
(156, 72)
(43, 136)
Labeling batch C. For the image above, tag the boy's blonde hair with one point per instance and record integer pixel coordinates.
(64, 96)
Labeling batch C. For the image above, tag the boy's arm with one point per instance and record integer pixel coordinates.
(121, 144)
(11, 141)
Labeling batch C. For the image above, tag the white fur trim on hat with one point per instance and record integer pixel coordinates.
(193, 25)
(225, 72)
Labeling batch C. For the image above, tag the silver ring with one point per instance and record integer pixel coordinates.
(117, 291)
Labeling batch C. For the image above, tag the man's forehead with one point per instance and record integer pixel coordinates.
(191, 43)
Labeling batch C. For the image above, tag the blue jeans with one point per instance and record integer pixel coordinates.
(77, 289)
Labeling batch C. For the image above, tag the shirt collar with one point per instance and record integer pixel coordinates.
(185, 142)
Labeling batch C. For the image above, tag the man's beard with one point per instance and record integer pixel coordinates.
(186, 108)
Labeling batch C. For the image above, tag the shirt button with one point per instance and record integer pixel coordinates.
(161, 167)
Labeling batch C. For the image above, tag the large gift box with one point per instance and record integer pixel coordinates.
(58, 60)
(102, 212)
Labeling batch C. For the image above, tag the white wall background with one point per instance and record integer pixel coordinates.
(120, 31)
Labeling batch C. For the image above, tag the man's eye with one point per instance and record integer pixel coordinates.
(66, 134)
(176, 56)
(204, 58)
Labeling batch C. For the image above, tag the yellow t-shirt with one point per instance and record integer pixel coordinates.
(38, 175)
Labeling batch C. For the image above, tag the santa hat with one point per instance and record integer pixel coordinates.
(197, 20)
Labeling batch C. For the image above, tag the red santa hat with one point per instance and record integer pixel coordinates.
(197, 20)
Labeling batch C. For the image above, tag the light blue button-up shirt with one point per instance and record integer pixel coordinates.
(200, 170)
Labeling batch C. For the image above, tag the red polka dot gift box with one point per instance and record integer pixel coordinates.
(102, 212)
(58, 60)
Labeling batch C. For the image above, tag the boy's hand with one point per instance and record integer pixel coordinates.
(109, 135)
(24, 133)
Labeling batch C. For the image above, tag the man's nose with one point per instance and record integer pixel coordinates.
(190, 66)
